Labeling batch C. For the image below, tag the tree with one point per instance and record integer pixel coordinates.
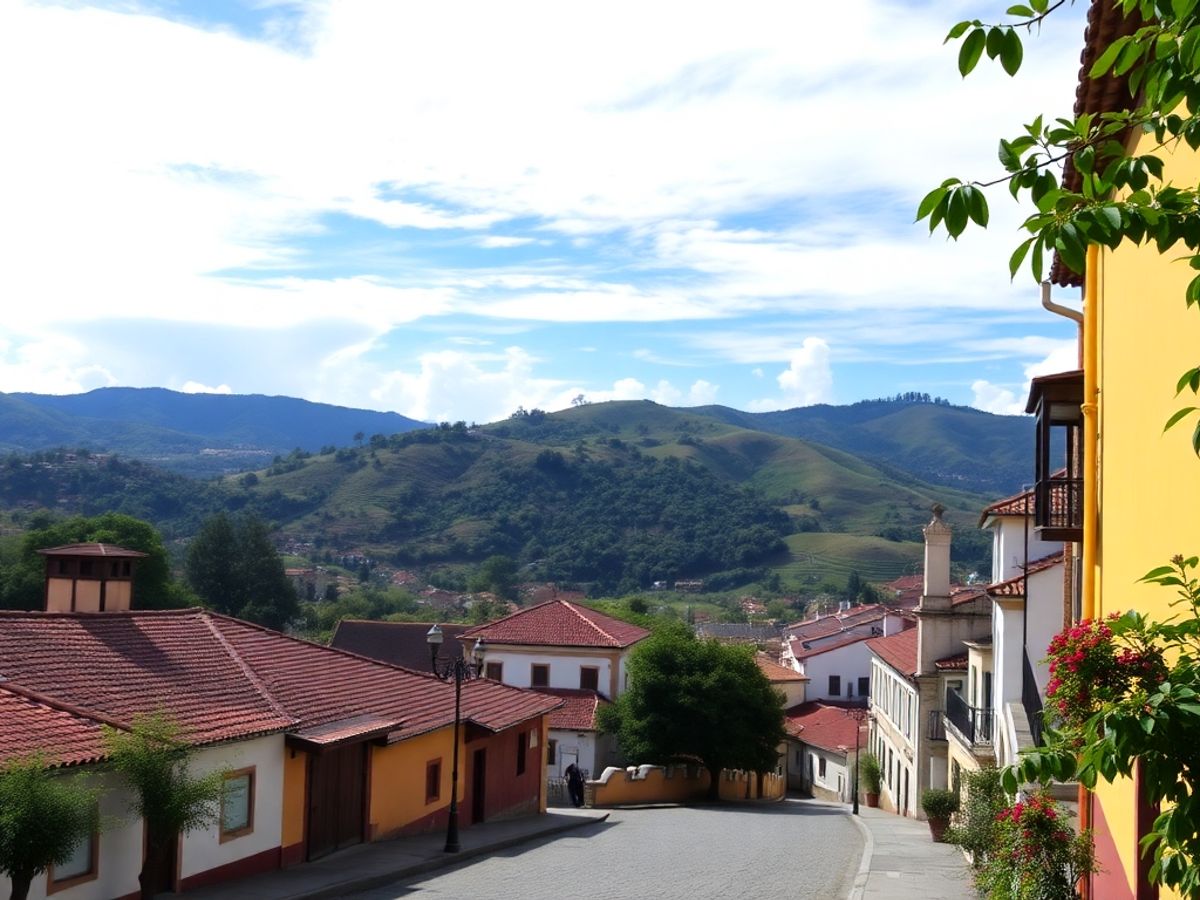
(170, 800)
(497, 574)
(43, 818)
(234, 568)
(21, 584)
(697, 700)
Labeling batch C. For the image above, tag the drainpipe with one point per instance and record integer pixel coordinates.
(1091, 306)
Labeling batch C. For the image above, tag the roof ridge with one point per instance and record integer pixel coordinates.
(62, 706)
(511, 615)
(575, 609)
(249, 672)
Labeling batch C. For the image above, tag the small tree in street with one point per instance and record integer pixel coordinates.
(693, 699)
(43, 817)
(169, 799)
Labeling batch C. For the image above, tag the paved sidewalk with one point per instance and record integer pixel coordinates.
(366, 866)
(901, 862)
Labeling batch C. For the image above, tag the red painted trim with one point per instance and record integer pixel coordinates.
(267, 861)
(291, 855)
(1109, 883)
(1147, 812)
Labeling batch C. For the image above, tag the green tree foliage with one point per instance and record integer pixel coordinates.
(319, 619)
(1120, 196)
(43, 817)
(154, 758)
(234, 568)
(21, 582)
(497, 574)
(690, 699)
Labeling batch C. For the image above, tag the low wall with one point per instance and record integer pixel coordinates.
(677, 784)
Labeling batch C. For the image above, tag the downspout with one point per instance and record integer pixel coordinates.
(1091, 306)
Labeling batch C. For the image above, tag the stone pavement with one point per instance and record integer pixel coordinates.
(366, 866)
(901, 862)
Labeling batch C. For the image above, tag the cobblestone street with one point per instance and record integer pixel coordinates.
(792, 850)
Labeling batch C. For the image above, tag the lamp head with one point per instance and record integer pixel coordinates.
(477, 653)
(433, 636)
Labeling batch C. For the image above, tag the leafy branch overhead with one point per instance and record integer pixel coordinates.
(1114, 195)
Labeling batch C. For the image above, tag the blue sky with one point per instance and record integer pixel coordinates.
(450, 210)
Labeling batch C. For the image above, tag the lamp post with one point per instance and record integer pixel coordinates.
(458, 669)
(859, 714)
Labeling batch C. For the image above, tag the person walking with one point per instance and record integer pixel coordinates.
(575, 785)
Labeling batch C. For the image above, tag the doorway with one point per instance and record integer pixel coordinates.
(336, 798)
(478, 785)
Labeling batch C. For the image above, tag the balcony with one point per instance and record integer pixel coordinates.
(972, 722)
(1055, 401)
(935, 728)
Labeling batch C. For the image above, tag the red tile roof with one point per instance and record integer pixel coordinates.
(224, 679)
(960, 595)
(775, 672)
(34, 725)
(558, 623)
(1015, 587)
(898, 650)
(578, 712)
(825, 726)
(824, 626)
(799, 651)
(398, 643)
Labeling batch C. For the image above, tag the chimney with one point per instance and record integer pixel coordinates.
(89, 577)
(936, 594)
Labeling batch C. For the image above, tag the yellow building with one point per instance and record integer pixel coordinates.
(1131, 491)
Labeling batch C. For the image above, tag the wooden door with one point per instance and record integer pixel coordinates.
(336, 797)
(478, 785)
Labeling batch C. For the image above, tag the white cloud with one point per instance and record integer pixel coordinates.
(499, 242)
(1062, 356)
(195, 387)
(808, 379)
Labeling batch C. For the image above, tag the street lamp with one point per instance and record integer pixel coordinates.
(458, 669)
(859, 714)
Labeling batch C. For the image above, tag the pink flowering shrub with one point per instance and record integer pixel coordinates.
(1036, 854)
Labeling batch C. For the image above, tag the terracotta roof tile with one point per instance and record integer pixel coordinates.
(558, 623)
(824, 626)
(966, 594)
(775, 672)
(1015, 587)
(825, 726)
(578, 712)
(398, 643)
(93, 549)
(955, 663)
(898, 650)
(34, 726)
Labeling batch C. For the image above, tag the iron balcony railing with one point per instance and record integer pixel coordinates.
(1032, 701)
(1058, 505)
(935, 728)
(972, 722)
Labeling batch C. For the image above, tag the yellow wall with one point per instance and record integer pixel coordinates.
(398, 781)
(295, 788)
(1149, 482)
(657, 787)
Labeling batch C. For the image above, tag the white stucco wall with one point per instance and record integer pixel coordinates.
(1008, 547)
(1044, 611)
(202, 850)
(850, 662)
(837, 781)
(564, 670)
(574, 746)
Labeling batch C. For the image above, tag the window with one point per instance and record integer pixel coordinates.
(79, 867)
(589, 678)
(433, 780)
(864, 685)
(821, 766)
(494, 671)
(551, 752)
(539, 675)
(520, 753)
(835, 685)
(237, 804)
(85, 567)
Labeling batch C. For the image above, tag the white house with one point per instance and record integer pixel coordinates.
(580, 655)
(831, 650)
(821, 746)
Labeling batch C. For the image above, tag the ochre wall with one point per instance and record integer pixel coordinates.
(397, 800)
(295, 789)
(1149, 482)
(654, 784)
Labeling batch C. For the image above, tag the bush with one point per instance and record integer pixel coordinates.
(976, 827)
(939, 803)
(870, 773)
(1036, 855)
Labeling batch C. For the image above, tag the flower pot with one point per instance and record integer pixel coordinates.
(937, 827)
(872, 799)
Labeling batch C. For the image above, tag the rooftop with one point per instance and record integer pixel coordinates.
(558, 623)
(399, 643)
(578, 712)
(775, 672)
(111, 551)
(1015, 587)
(898, 650)
(825, 725)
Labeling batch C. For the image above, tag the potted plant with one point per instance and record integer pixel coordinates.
(939, 805)
(870, 775)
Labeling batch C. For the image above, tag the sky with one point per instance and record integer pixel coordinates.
(453, 209)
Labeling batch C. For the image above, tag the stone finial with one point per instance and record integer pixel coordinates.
(937, 561)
